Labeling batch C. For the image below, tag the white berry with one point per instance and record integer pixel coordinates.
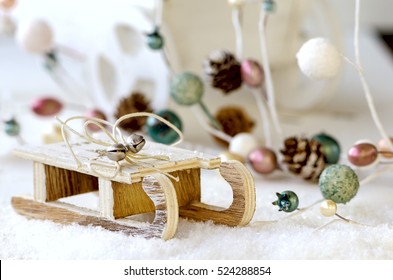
(242, 144)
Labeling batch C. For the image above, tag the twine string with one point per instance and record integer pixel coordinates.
(237, 25)
(366, 87)
(116, 137)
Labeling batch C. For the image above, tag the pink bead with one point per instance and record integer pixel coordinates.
(263, 160)
(46, 106)
(95, 113)
(35, 36)
(363, 154)
(252, 73)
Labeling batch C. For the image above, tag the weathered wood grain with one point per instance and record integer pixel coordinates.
(58, 155)
(135, 190)
(159, 188)
(105, 195)
(61, 183)
(132, 199)
(243, 205)
(161, 191)
(39, 181)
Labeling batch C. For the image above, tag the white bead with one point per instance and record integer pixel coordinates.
(35, 37)
(226, 156)
(319, 59)
(328, 208)
(235, 3)
(242, 144)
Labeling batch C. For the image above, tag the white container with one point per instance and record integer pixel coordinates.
(195, 28)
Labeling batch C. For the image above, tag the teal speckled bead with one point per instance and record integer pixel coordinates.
(154, 40)
(339, 183)
(159, 131)
(186, 88)
(287, 201)
(12, 127)
(330, 147)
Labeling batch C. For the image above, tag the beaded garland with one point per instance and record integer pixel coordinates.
(160, 132)
(154, 40)
(319, 59)
(363, 154)
(287, 201)
(46, 106)
(252, 73)
(269, 5)
(11, 127)
(186, 88)
(330, 147)
(339, 183)
(328, 208)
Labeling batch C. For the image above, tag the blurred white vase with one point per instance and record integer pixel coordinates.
(195, 28)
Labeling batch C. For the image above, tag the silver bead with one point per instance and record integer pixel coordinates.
(116, 152)
(135, 142)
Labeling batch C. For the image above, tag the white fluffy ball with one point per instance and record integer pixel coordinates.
(242, 144)
(35, 37)
(319, 59)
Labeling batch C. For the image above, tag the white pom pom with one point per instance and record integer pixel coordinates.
(243, 144)
(35, 37)
(319, 59)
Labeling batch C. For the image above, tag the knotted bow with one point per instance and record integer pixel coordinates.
(118, 149)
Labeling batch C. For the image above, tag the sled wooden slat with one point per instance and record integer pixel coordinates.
(137, 189)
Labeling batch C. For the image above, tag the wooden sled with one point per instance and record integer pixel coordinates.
(135, 190)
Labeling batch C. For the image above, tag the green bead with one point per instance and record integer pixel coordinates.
(330, 147)
(51, 60)
(287, 201)
(12, 127)
(269, 6)
(186, 88)
(339, 183)
(161, 132)
(155, 41)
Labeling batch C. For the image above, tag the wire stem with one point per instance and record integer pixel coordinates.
(363, 80)
(266, 67)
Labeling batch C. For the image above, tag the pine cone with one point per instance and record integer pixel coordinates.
(135, 102)
(233, 120)
(223, 71)
(304, 157)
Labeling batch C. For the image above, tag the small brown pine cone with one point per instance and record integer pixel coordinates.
(233, 120)
(135, 102)
(304, 157)
(222, 70)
